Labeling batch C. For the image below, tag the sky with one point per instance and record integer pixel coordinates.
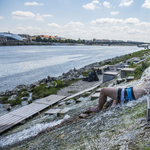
(74, 19)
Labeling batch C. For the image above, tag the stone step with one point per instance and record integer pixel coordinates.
(107, 76)
(64, 111)
(98, 90)
(52, 111)
(95, 96)
(126, 71)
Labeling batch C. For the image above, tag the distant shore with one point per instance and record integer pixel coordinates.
(20, 43)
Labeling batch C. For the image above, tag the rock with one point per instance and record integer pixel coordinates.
(61, 103)
(83, 115)
(24, 98)
(35, 84)
(13, 97)
(70, 102)
(130, 78)
(49, 79)
(43, 81)
(80, 100)
(7, 107)
(120, 80)
(2, 93)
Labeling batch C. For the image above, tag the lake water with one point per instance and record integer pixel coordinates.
(27, 64)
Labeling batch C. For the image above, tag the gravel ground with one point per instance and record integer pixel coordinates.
(78, 87)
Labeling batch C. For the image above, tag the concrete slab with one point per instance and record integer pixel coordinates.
(52, 111)
(126, 71)
(98, 90)
(126, 66)
(130, 78)
(94, 96)
(64, 111)
(49, 100)
(107, 76)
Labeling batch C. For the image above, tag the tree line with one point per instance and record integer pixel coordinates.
(51, 40)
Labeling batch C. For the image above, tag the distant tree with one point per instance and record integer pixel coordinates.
(38, 39)
(44, 40)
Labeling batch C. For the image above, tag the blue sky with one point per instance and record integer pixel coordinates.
(85, 19)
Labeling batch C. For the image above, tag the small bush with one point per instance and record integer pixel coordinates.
(14, 102)
(140, 69)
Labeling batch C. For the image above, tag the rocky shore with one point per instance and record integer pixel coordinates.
(70, 75)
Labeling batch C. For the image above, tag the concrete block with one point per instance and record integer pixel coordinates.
(107, 76)
(148, 109)
(126, 71)
(52, 111)
(130, 78)
(94, 96)
(126, 66)
(63, 111)
(98, 90)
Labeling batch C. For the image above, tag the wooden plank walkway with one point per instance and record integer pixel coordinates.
(9, 120)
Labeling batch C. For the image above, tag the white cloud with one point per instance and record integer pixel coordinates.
(107, 21)
(1, 17)
(144, 23)
(33, 4)
(39, 17)
(74, 24)
(22, 15)
(47, 15)
(54, 25)
(146, 4)
(126, 2)
(94, 4)
(132, 21)
(107, 4)
(28, 30)
(114, 12)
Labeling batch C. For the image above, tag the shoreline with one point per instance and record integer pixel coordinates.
(70, 75)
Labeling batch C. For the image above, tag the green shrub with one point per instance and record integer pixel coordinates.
(140, 69)
(14, 102)
(4, 99)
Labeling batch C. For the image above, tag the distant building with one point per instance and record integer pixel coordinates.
(25, 37)
(3, 38)
(59, 38)
(44, 36)
(33, 38)
(10, 36)
(97, 40)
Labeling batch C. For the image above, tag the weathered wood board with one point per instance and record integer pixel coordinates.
(9, 120)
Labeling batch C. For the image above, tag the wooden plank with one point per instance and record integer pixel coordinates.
(29, 110)
(16, 116)
(9, 120)
(52, 99)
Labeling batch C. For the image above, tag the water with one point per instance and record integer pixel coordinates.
(27, 64)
